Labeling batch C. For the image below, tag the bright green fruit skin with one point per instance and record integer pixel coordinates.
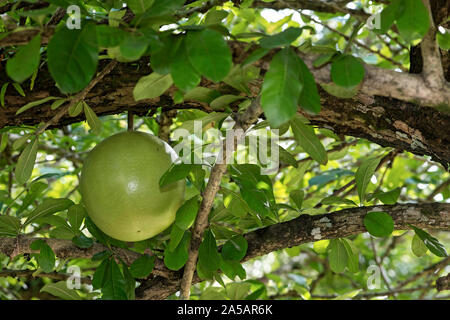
(120, 186)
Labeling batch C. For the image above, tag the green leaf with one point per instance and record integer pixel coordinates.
(76, 109)
(2, 93)
(235, 248)
(187, 213)
(46, 256)
(174, 173)
(152, 86)
(444, 39)
(232, 268)
(297, 197)
(133, 47)
(108, 37)
(60, 290)
(283, 38)
(255, 56)
(98, 278)
(379, 224)
(389, 197)
(25, 163)
(92, 119)
(308, 140)
(9, 226)
(76, 215)
(47, 207)
(431, 242)
(309, 97)
(183, 73)
(238, 290)
(176, 259)
(347, 71)
(163, 7)
(176, 234)
(73, 57)
(19, 89)
(26, 60)
(56, 104)
(139, 6)
(224, 101)
(281, 88)
(142, 266)
(363, 176)
(209, 54)
(389, 14)
(338, 256)
(208, 256)
(418, 247)
(215, 16)
(414, 21)
(114, 287)
(82, 241)
(353, 255)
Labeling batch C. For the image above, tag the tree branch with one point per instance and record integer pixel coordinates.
(338, 224)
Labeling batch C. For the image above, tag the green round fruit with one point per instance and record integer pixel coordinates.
(119, 185)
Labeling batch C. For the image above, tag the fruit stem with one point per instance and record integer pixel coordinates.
(130, 121)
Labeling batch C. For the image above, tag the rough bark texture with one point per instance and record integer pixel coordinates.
(386, 121)
(443, 283)
(339, 224)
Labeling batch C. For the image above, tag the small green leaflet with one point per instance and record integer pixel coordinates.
(60, 290)
(337, 255)
(9, 226)
(152, 86)
(47, 207)
(414, 21)
(142, 266)
(209, 54)
(176, 259)
(82, 241)
(347, 71)
(353, 255)
(281, 88)
(26, 161)
(307, 139)
(26, 60)
(46, 256)
(235, 248)
(76, 214)
(309, 97)
(187, 213)
(176, 234)
(34, 103)
(208, 256)
(75, 108)
(418, 247)
(389, 14)
(2, 93)
(379, 224)
(297, 198)
(431, 242)
(114, 287)
(363, 176)
(389, 197)
(444, 39)
(108, 37)
(176, 172)
(283, 38)
(92, 119)
(139, 6)
(133, 47)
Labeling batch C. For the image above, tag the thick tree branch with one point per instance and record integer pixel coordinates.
(386, 121)
(339, 224)
(443, 283)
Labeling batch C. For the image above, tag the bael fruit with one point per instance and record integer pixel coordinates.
(119, 185)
